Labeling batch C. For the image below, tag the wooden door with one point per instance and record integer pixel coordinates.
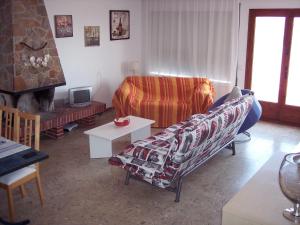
(273, 62)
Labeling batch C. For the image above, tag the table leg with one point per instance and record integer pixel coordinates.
(100, 147)
(141, 134)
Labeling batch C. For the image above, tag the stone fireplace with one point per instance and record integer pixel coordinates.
(30, 68)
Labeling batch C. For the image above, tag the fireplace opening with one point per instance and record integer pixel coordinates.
(32, 102)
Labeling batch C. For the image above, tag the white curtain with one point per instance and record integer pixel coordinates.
(191, 38)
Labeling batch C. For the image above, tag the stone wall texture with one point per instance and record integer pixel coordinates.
(24, 31)
(6, 46)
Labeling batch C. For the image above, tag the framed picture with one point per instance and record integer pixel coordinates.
(119, 24)
(91, 35)
(63, 26)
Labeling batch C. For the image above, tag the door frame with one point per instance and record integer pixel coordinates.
(278, 112)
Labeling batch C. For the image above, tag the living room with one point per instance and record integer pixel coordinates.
(81, 190)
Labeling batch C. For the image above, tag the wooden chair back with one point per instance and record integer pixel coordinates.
(26, 126)
(30, 125)
(10, 123)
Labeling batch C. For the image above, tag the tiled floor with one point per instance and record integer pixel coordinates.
(82, 191)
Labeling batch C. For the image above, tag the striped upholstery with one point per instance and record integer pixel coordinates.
(167, 100)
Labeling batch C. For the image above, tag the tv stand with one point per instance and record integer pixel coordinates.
(52, 123)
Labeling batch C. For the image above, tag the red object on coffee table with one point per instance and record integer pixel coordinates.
(121, 122)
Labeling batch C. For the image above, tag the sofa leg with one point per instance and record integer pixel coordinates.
(233, 148)
(178, 189)
(127, 178)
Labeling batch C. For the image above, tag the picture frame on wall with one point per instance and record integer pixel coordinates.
(119, 24)
(91, 36)
(63, 26)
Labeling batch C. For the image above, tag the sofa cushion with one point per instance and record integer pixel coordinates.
(235, 93)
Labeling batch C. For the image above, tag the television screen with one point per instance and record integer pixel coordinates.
(81, 96)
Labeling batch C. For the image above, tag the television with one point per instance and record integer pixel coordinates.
(80, 96)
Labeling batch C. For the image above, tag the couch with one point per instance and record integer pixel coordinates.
(166, 157)
(167, 100)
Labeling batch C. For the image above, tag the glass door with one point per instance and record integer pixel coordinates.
(266, 66)
(294, 67)
(273, 59)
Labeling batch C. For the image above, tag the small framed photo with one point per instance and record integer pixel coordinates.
(91, 35)
(63, 26)
(119, 24)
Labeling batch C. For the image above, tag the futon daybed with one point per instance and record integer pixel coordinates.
(166, 157)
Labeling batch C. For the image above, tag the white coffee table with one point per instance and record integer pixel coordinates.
(101, 137)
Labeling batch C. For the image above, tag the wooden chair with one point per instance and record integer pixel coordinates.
(9, 123)
(29, 126)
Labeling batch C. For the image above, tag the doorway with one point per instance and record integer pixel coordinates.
(273, 62)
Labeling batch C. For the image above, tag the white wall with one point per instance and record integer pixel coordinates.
(255, 4)
(103, 66)
(98, 66)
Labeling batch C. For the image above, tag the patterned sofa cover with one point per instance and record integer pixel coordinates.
(167, 100)
(164, 158)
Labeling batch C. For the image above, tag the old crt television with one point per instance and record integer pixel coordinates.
(80, 96)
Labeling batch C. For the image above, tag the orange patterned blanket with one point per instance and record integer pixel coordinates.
(167, 100)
